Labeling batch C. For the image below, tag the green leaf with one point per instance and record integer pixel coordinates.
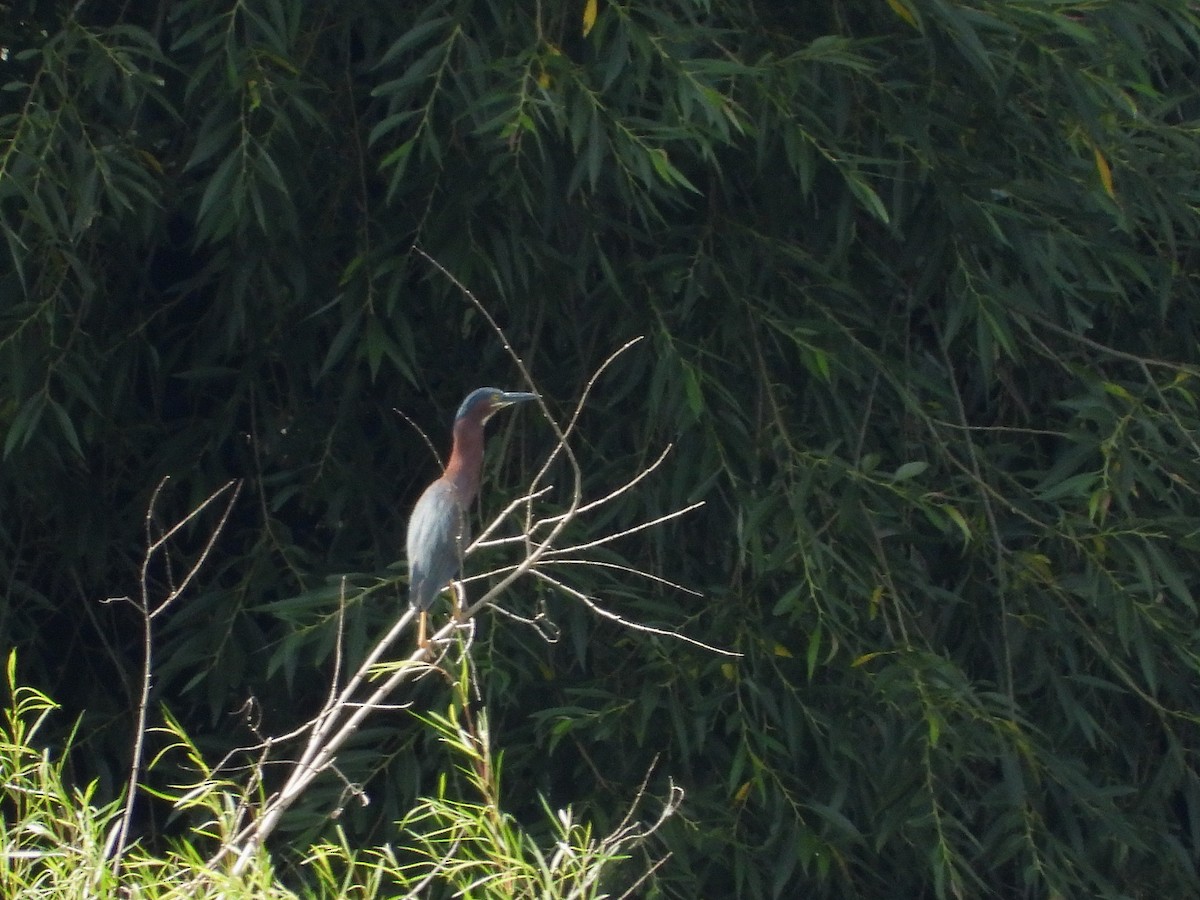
(24, 424)
(340, 343)
(66, 426)
(867, 197)
(910, 470)
(413, 37)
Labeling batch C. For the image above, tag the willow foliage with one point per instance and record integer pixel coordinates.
(919, 278)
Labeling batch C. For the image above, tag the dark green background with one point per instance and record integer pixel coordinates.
(918, 283)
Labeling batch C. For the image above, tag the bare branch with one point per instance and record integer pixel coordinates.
(641, 526)
(635, 626)
(627, 486)
(148, 613)
(212, 540)
(630, 570)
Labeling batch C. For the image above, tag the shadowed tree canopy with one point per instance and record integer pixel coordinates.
(918, 280)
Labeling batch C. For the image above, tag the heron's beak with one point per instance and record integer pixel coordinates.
(508, 398)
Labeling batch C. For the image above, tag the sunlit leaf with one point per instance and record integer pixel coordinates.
(900, 8)
(1105, 172)
(590, 9)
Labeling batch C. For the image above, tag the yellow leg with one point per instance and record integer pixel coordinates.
(422, 641)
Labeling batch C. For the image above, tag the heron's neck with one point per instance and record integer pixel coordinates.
(466, 459)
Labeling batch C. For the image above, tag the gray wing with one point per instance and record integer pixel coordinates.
(437, 536)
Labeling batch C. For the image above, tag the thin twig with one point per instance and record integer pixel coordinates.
(627, 623)
(633, 529)
(421, 431)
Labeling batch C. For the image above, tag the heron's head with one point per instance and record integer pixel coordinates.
(486, 401)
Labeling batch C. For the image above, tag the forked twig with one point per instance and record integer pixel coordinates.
(628, 623)
(119, 838)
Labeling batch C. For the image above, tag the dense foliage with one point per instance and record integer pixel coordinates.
(919, 284)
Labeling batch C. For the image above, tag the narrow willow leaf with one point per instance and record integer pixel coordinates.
(868, 197)
(590, 9)
(1105, 173)
(900, 8)
(66, 426)
(411, 39)
(24, 424)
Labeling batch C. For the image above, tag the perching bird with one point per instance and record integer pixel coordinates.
(438, 529)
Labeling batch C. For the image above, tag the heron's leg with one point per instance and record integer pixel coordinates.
(460, 601)
(422, 640)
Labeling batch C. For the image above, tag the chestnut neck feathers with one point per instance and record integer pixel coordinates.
(466, 455)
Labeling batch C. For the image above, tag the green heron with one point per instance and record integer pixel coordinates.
(437, 529)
